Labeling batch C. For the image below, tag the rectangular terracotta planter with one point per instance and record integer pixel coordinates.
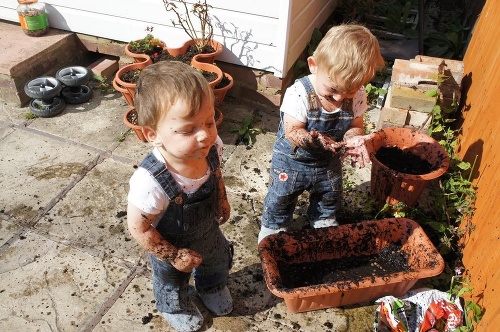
(352, 240)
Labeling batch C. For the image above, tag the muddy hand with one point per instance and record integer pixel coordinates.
(223, 212)
(356, 150)
(186, 260)
(326, 142)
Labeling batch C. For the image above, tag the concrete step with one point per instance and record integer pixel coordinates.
(24, 58)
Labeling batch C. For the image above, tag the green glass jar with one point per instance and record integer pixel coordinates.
(33, 17)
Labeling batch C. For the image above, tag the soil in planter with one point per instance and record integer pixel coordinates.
(403, 161)
(223, 83)
(186, 57)
(348, 270)
(131, 76)
(209, 75)
(132, 117)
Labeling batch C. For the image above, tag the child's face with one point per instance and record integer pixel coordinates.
(187, 138)
(329, 92)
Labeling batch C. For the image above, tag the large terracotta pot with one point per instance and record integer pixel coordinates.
(128, 89)
(286, 256)
(176, 51)
(391, 186)
(209, 57)
(204, 57)
(220, 93)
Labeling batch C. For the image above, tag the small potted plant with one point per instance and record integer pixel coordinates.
(126, 77)
(201, 39)
(149, 45)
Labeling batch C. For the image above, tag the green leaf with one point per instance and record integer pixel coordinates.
(431, 93)
(464, 165)
(437, 226)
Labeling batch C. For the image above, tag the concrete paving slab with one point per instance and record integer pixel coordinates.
(47, 286)
(8, 230)
(5, 129)
(36, 171)
(78, 223)
(89, 123)
(99, 223)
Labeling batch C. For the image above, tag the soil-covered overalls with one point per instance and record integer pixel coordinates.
(189, 222)
(295, 169)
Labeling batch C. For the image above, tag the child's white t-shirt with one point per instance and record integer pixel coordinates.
(295, 102)
(147, 194)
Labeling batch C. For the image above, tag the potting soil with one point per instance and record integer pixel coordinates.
(347, 270)
(403, 161)
(186, 57)
(131, 76)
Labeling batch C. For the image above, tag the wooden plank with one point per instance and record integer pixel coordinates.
(479, 136)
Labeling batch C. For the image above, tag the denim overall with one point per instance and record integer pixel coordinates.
(295, 169)
(189, 222)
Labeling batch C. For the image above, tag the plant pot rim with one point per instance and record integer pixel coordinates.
(129, 67)
(229, 86)
(210, 68)
(327, 295)
(418, 137)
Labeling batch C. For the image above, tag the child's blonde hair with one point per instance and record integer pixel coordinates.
(350, 54)
(163, 84)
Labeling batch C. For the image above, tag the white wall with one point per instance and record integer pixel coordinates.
(261, 34)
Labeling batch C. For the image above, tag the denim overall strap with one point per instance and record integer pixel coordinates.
(312, 99)
(213, 159)
(312, 102)
(187, 213)
(167, 182)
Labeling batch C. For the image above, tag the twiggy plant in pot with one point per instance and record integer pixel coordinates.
(197, 24)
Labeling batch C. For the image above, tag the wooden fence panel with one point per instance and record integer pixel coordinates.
(480, 137)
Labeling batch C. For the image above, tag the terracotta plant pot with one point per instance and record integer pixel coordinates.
(128, 89)
(209, 57)
(352, 243)
(204, 57)
(137, 129)
(390, 186)
(209, 68)
(220, 93)
(176, 51)
(139, 57)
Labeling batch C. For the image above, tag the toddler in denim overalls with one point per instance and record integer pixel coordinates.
(321, 119)
(177, 198)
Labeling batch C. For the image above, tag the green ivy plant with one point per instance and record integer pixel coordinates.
(103, 84)
(246, 130)
(373, 92)
(449, 44)
(460, 286)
